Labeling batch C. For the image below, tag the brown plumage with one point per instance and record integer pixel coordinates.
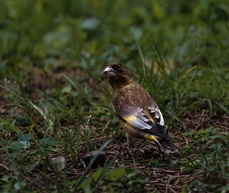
(137, 111)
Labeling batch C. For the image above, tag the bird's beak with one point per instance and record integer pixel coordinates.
(109, 71)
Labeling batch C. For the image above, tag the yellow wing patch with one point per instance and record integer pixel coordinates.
(151, 119)
(130, 118)
(140, 121)
(149, 116)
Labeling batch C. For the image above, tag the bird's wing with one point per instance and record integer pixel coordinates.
(146, 121)
(156, 114)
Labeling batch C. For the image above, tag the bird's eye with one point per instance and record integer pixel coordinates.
(118, 67)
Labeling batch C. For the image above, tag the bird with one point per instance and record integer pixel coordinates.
(137, 112)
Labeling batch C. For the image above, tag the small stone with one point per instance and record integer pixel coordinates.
(58, 163)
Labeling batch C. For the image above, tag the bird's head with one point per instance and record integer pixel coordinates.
(118, 75)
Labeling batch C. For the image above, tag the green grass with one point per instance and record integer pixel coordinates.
(55, 102)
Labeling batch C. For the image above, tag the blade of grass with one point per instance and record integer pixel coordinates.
(90, 164)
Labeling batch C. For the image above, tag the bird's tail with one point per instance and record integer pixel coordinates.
(166, 145)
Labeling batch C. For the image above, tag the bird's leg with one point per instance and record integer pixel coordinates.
(129, 143)
(161, 152)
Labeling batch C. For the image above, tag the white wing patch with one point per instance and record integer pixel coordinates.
(162, 122)
(157, 115)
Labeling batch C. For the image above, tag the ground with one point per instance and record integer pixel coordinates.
(162, 173)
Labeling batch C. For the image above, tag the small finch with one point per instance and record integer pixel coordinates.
(138, 113)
